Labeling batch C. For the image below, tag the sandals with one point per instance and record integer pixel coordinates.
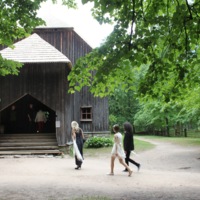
(130, 173)
(110, 174)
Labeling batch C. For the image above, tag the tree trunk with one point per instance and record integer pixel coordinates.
(167, 126)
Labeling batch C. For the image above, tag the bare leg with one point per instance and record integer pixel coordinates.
(125, 165)
(112, 164)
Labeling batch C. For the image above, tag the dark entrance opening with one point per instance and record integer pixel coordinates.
(16, 117)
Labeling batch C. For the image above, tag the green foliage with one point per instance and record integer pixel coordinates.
(162, 35)
(122, 107)
(98, 142)
(17, 20)
(9, 67)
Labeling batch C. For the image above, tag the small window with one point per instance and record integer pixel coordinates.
(86, 113)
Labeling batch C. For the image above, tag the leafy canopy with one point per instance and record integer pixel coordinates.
(162, 34)
(18, 18)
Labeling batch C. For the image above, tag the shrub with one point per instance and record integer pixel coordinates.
(98, 142)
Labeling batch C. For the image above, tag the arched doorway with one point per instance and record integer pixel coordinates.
(15, 119)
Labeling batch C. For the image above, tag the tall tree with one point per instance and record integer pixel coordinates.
(18, 18)
(163, 34)
(122, 107)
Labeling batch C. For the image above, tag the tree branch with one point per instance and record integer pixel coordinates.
(186, 37)
(132, 22)
(189, 9)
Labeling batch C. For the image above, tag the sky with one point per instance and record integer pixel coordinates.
(80, 19)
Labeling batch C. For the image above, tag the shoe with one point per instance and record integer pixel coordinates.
(125, 170)
(139, 167)
(110, 174)
(78, 167)
(130, 173)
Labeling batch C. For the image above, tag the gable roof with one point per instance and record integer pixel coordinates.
(52, 21)
(34, 49)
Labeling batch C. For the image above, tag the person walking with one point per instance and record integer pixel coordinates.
(13, 125)
(77, 137)
(31, 114)
(40, 119)
(128, 143)
(117, 151)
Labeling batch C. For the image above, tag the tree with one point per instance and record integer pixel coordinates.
(162, 34)
(18, 18)
(122, 107)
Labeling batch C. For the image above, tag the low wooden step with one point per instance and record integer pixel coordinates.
(36, 135)
(28, 148)
(20, 144)
(10, 140)
(30, 152)
(36, 143)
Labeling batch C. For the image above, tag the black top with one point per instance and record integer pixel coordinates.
(128, 142)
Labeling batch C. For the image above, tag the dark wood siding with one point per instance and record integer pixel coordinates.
(67, 41)
(45, 82)
(73, 46)
(48, 83)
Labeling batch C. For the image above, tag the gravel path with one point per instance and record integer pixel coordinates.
(167, 172)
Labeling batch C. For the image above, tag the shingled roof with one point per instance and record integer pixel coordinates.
(34, 49)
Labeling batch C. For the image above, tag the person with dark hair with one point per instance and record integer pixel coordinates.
(117, 151)
(31, 118)
(129, 144)
(13, 120)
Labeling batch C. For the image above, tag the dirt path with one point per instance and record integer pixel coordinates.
(168, 172)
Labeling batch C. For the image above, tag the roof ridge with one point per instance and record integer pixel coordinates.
(34, 49)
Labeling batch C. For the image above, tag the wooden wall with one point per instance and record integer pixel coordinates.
(73, 46)
(66, 40)
(45, 82)
(48, 83)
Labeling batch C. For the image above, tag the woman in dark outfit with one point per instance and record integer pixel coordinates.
(77, 136)
(129, 144)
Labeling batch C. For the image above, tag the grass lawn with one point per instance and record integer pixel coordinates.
(184, 141)
(139, 147)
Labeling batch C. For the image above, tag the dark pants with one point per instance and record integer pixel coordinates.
(31, 127)
(128, 159)
(40, 126)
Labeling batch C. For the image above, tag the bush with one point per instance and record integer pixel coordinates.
(98, 142)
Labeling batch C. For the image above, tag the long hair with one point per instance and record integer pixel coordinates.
(128, 127)
(116, 127)
(75, 125)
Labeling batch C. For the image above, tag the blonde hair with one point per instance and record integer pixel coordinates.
(75, 125)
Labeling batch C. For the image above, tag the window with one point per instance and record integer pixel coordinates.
(86, 113)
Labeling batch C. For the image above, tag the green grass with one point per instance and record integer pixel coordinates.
(95, 152)
(141, 146)
(183, 141)
(105, 151)
(193, 134)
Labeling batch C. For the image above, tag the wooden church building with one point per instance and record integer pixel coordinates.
(48, 56)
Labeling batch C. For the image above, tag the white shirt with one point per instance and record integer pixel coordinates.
(117, 149)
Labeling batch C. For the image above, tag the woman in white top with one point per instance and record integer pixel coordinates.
(117, 151)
